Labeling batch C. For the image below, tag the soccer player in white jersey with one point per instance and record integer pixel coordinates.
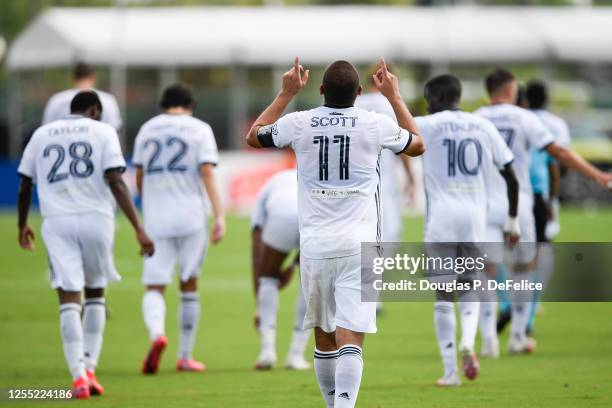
(76, 164)
(522, 131)
(461, 149)
(536, 95)
(374, 101)
(174, 155)
(275, 234)
(337, 147)
(83, 78)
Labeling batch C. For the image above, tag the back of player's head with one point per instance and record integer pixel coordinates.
(537, 95)
(442, 92)
(340, 85)
(497, 80)
(521, 97)
(82, 71)
(177, 96)
(87, 103)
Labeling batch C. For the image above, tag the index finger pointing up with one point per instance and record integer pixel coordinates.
(296, 64)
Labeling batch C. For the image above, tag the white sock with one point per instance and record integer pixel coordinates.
(488, 321)
(267, 308)
(520, 309)
(300, 337)
(72, 338)
(469, 309)
(94, 320)
(189, 316)
(325, 369)
(445, 322)
(349, 368)
(546, 263)
(154, 312)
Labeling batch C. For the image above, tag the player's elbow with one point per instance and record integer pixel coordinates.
(251, 138)
(417, 146)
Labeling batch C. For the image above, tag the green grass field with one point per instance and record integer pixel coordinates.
(572, 366)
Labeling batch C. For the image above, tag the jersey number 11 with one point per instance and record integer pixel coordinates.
(345, 144)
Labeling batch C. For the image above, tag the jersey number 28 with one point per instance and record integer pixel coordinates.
(81, 165)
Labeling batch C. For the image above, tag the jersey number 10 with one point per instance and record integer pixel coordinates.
(345, 144)
(457, 156)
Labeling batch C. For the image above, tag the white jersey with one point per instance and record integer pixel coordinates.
(277, 198)
(461, 149)
(522, 131)
(338, 152)
(391, 230)
(67, 160)
(170, 149)
(58, 107)
(556, 126)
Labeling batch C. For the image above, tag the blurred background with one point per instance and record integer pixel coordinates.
(232, 54)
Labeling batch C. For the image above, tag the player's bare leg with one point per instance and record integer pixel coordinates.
(488, 317)
(94, 320)
(72, 339)
(189, 317)
(154, 312)
(267, 304)
(325, 360)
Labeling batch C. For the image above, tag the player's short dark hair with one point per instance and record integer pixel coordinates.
(443, 91)
(177, 96)
(521, 96)
(85, 100)
(340, 83)
(82, 70)
(536, 94)
(498, 79)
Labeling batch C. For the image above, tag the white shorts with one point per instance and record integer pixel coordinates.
(332, 291)
(524, 252)
(281, 233)
(80, 251)
(188, 251)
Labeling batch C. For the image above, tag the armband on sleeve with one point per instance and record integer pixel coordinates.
(264, 135)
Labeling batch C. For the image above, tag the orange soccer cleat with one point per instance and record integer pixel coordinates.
(151, 362)
(95, 388)
(80, 388)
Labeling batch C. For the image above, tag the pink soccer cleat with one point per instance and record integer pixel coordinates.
(80, 388)
(95, 388)
(151, 363)
(189, 365)
(471, 367)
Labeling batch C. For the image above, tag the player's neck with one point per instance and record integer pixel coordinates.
(500, 100)
(85, 84)
(177, 110)
(333, 105)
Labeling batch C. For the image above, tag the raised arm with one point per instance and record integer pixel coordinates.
(388, 85)
(293, 81)
(124, 200)
(24, 198)
(571, 159)
(208, 178)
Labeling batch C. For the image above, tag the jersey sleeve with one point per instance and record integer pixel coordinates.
(500, 152)
(537, 134)
(138, 147)
(112, 158)
(285, 130)
(208, 153)
(113, 114)
(259, 214)
(27, 165)
(391, 135)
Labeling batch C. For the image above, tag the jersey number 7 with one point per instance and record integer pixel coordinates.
(345, 144)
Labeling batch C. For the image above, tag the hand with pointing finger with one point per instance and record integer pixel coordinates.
(385, 81)
(295, 79)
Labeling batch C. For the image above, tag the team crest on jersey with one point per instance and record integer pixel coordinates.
(398, 135)
(274, 129)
